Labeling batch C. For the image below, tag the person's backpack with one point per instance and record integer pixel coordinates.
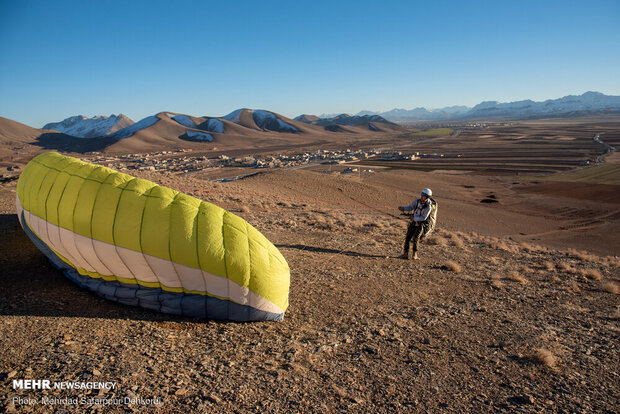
(432, 218)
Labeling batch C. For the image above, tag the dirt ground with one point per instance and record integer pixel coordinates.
(512, 307)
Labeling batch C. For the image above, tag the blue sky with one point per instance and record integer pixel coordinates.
(65, 58)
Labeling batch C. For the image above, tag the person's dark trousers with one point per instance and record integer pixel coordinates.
(414, 233)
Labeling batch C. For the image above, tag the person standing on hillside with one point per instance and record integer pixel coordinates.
(422, 221)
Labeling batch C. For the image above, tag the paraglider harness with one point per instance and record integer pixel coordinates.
(430, 222)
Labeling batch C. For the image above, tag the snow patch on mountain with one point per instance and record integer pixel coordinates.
(184, 120)
(234, 116)
(215, 125)
(132, 129)
(268, 120)
(330, 115)
(83, 127)
(571, 105)
(200, 136)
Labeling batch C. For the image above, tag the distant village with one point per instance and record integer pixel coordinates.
(181, 161)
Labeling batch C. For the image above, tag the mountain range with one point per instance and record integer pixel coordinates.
(589, 103)
(253, 128)
(243, 128)
(336, 122)
(83, 127)
(202, 128)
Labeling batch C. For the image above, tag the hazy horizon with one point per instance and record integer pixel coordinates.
(140, 58)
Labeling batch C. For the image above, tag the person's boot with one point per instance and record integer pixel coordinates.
(404, 256)
(415, 256)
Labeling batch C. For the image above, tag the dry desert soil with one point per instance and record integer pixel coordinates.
(512, 307)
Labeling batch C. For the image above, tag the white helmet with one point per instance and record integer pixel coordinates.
(427, 192)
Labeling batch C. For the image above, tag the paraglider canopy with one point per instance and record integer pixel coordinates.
(135, 242)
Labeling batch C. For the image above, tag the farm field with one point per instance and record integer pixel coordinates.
(526, 148)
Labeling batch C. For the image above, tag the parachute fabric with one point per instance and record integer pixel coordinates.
(138, 243)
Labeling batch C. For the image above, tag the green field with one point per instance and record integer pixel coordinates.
(600, 174)
(437, 132)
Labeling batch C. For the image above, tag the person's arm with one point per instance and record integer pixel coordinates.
(409, 207)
